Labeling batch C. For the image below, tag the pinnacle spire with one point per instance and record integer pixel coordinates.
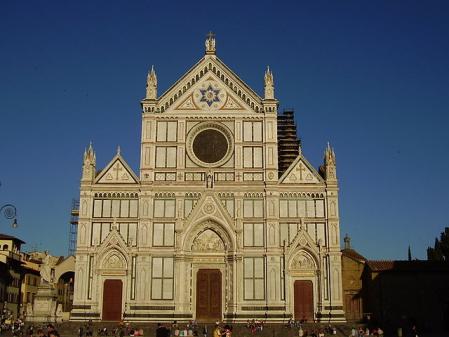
(151, 84)
(269, 84)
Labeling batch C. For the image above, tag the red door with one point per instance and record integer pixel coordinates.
(112, 300)
(303, 300)
(208, 295)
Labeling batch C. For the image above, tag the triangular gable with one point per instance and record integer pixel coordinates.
(114, 240)
(209, 94)
(302, 240)
(117, 172)
(209, 205)
(301, 172)
(178, 94)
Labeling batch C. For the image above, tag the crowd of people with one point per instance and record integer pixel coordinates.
(192, 329)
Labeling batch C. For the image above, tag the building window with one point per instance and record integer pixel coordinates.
(116, 208)
(301, 208)
(229, 205)
(252, 157)
(100, 231)
(164, 234)
(253, 208)
(162, 278)
(166, 156)
(252, 131)
(166, 131)
(189, 204)
(253, 235)
(254, 276)
(164, 208)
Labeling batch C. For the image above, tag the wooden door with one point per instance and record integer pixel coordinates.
(112, 300)
(353, 307)
(208, 295)
(303, 300)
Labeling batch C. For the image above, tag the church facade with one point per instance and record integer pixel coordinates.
(226, 219)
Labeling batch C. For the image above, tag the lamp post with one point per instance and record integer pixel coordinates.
(9, 211)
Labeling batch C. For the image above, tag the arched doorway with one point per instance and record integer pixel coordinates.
(65, 290)
(208, 244)
(303, 272)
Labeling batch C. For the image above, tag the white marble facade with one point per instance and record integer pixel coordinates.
(209, 196)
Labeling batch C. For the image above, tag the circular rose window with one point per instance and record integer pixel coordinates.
(209, 144)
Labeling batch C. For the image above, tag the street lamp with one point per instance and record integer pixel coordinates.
(9, 211)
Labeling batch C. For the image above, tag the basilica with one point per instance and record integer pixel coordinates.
(225, 220)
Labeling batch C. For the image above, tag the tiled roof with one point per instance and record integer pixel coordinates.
(351, 253)
(9, 237)
(380, 265)
(414, 265)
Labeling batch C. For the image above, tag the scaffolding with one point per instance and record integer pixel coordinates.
(73, 226)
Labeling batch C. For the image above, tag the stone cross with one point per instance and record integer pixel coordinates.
(301, 169)
(117, 169)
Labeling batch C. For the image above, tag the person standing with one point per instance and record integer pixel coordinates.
(217, 330)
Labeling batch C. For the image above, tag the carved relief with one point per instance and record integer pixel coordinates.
(209, 208)
(271, 234)
(303, 262)
(333, 208)
(82, 234)
(84, 208)
(145, 208)
(273, 288)
(143, 234)
(231, 104)
(188, 104)
(208, 241)
(333, 235)
(114, 262)
(271, 209)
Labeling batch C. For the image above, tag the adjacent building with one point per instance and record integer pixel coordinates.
(10, 276)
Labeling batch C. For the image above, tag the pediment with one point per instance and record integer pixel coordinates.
(301, 172)
(210, 85)
(113, 241)
(117, 172)
(209, 206)
(302, 240)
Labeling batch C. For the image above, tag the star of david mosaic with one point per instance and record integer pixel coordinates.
(209, 95)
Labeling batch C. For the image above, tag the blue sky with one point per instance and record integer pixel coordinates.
(371, 77)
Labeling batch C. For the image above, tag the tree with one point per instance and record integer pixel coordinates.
(440, 250)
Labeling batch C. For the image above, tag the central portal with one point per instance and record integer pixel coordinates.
(208, 295)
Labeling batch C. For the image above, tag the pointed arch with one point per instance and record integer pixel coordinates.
(303, 259)
(203, 224)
